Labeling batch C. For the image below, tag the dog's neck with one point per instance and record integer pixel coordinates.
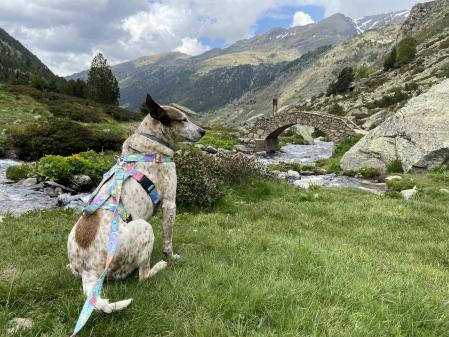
(150, 137)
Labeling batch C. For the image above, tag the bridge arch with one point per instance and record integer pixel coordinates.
(263, 134)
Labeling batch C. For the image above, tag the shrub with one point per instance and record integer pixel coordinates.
(406, 51)
(398, 185)
(389, 100)
(61, 169)
(203, 180)
(59, 137)
(390, 60)
(18, 172)
(123, 115)
(444, 44)
(336, 109)
(75, 112)
(344, 79)
(440, 174)
(395, 167)
(370, 173)
(222, 140)
(362, 71)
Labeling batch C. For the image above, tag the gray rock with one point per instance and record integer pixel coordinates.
(67, 200)
(200, 146)
(307, 173)
(58, 191)
(211, 150)
(17, 324)
(4, 198)
(393, 178)
(28, 182)
(444, 190)
(243, 149)
(54, 185)
(293, 175)
(410, 194)
(82, 182)
(359, 113)
(374, 120)
(417, 135)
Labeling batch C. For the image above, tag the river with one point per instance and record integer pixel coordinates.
(18, 199)
(309, 154)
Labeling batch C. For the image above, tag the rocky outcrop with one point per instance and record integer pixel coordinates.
(417, 135)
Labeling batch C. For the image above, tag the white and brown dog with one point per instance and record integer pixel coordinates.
(87, 243)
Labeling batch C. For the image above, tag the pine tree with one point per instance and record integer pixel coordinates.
(102, 86)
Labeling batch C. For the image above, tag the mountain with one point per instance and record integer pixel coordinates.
(220, 77)
(14, 56)
(378, 21)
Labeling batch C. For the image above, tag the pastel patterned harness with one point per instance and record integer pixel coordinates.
(111, 200)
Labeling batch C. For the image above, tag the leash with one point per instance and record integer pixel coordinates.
(121, 171)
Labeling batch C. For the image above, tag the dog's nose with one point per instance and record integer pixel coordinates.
(202, 132)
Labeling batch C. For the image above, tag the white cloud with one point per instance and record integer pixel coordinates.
(65, 33)
(192, 46)
(301, 19)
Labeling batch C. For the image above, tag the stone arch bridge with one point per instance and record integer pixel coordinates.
(263, 134)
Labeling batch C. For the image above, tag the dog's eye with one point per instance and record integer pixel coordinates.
(184, 120)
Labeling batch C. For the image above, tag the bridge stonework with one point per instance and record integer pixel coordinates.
(263, 134)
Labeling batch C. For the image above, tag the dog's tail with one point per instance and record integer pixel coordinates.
(102, 304)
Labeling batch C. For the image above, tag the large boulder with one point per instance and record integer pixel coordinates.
(417, 135)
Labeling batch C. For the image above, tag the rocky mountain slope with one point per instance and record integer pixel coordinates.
(210, 81)
(14, 56)
(382, 93)
(377, 21)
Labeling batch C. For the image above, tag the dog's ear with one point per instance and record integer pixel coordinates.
(156, 111)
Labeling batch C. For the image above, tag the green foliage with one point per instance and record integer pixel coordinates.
(341, 85)
(398, 185)
(61, 137)
(362, 71)
(370, 173)
(204, 180)
(444, 44)
(390, 60)
(389, 100)
(219, 139)
(333, 164)
(395, 167)
(102, 86)
(76, 88)
(75, 112)
(18, 172)
(406, 51)
(61, 169)
(336, 109)
(443, 71)
(440, 174)
(403, 53)
(39, 82)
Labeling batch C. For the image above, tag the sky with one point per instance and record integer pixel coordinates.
(66, 34)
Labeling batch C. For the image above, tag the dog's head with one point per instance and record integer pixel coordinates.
(174, 123)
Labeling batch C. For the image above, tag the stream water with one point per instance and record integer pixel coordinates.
(18, 199)
(309, 154)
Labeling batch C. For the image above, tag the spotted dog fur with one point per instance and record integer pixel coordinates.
(88, 240)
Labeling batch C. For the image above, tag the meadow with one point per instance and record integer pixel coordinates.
(268, 260)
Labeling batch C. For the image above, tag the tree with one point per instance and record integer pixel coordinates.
(390, 61)
(401, 54)
(102, 86)
(406, 51)
(77, 88)
(342, 83)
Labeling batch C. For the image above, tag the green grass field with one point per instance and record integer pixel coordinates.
(270, 260)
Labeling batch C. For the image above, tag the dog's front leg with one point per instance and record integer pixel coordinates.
(168, 221)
